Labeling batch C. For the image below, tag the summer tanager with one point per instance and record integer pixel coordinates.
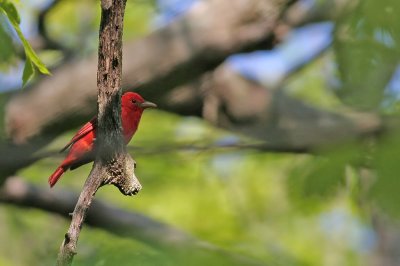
(82, 145)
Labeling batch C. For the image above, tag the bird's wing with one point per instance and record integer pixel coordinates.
(85, 129)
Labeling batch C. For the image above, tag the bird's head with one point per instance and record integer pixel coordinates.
(135, 102)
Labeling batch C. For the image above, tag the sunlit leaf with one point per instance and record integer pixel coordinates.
(10, 11)
(29, 71)
(29, 51)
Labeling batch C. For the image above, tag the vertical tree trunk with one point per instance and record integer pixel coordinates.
(111, 151)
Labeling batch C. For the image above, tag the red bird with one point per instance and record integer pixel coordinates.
(81, 147)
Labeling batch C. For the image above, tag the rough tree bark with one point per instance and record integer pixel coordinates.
(112, 164)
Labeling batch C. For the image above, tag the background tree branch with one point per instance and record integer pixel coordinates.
(48, 42)
(162, 72)
(108, 217)
(192, 45)
(69, 102)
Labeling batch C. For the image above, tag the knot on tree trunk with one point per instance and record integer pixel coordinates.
(121, 173)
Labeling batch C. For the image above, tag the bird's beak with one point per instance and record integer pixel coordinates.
(147, 104)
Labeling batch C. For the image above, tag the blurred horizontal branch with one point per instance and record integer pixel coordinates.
(179, 52)
(245, 107)
(105, 216)
(168, 67)
(153, 65)
(279, 122)
(303, 12)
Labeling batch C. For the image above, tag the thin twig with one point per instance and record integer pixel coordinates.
(68, 247)
(162, 149)
(101, 214)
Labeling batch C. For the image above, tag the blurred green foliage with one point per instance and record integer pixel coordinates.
(367, 51)
(385, 189)
(81, 32)
(232, 198)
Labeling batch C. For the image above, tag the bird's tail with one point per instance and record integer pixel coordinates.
(56, 175)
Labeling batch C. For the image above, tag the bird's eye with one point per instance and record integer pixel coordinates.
(134, 101)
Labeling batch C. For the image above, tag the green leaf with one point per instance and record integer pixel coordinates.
(29, 51)
(29, 71)
(11, 12)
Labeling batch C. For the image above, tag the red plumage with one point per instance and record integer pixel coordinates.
(82, 146)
